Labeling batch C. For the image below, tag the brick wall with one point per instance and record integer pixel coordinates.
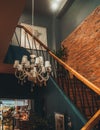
(83, 46)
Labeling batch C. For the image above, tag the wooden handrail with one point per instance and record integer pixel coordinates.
(93, 87)
(80, 77)
(92, 122)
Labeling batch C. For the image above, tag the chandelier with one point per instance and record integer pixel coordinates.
(32, 68)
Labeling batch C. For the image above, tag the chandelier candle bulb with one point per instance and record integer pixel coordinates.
(47, 64)
(27, 65)
(41, 59)
(37, 61)
(43, 69)
(24, 59)
(16, 63)
(32, 56)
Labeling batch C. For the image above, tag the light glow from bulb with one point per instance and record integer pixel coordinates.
(56, 4)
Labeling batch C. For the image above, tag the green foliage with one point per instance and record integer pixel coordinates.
(61, 53)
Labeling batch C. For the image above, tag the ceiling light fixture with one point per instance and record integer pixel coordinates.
(32, 68)
(57, 4)
(54, 6)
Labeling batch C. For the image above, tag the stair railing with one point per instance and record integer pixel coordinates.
(93, 122)
(84, 94)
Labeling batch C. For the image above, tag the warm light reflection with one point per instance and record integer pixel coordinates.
(25, 116)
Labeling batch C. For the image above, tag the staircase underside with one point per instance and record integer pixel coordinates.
(10, 12)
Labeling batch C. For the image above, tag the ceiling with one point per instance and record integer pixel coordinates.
(43, 7)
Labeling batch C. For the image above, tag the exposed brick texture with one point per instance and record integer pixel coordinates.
(83, 46)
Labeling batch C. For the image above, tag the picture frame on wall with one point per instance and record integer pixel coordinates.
(38, 31)
(59, 121)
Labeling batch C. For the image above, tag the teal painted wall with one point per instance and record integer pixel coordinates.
(53, 100)
(15, 53)
(78, 11)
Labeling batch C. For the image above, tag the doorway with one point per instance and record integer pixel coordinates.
(13, 111)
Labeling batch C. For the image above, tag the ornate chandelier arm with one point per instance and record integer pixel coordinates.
(41, 78)
(20, 74)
